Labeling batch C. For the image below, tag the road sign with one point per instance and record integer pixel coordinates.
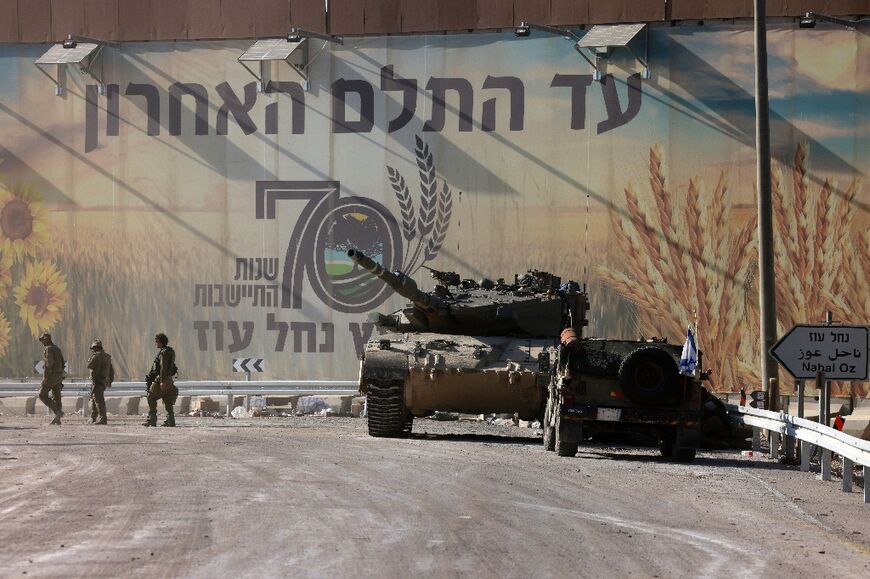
(759, 399)
(40, 367)
(249, 365)
(838, 351)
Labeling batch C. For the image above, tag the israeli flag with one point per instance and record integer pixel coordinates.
(689, 359)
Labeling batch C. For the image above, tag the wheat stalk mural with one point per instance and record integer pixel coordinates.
(685, 264)
(429, 222)
(695, 263)
(822, 258)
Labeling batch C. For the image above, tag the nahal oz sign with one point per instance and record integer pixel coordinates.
(838, 351)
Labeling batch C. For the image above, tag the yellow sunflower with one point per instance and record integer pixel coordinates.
(40, 296)
(5, 334)
(5, 274)
(22, 221)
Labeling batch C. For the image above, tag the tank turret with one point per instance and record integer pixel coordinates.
(535, 305)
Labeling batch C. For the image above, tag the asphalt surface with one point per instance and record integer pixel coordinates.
(317, 497)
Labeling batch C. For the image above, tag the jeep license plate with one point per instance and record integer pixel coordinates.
(609, 414)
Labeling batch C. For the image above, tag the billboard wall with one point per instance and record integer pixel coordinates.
(183, 200)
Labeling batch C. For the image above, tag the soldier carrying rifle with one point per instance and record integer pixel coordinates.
(160, 383)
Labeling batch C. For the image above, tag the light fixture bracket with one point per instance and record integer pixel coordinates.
(293, 49)
(85, 53)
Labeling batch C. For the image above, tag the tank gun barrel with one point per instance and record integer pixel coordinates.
(401, 283)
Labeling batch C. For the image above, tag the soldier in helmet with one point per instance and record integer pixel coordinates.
(52, 377)
(100, 365)
(160, 383)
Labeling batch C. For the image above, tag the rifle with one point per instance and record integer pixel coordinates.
(149, 380)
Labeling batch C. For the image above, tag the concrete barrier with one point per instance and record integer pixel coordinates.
(18, 406)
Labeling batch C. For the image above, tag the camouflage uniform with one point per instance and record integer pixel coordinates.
(99, 364)
(161, 386)
(52, 380)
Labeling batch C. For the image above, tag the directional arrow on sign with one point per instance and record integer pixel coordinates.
(838, 351)
(40, 367)
(249, 365)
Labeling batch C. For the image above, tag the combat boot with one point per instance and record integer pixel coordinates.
(170, 420)
(57, 416)
(152, 419)
(102, 421)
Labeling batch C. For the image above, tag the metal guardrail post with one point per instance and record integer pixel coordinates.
(756, 439)
(848, 465)
(801, 388)
(826, 464)
(806, 454)
(866, 485)
(229, 404)
(773, 444)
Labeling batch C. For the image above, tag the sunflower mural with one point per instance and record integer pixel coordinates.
(5, 334)
(41, 296)
(22, 221)
(6, 261)
(35, 286)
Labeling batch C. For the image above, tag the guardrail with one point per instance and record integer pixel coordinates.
(228, 388)
(813, 435)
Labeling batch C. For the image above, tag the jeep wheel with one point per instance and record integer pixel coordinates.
(547, 425)
(567, 436)
(684, 454)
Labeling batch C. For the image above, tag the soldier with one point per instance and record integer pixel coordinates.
(160, 384)
(52, 377)
(100, 365)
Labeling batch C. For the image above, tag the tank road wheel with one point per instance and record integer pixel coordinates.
(549, 428)
(386, 409)
(567, 436)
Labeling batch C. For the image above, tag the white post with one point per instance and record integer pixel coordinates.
(847, 475)
(826, 464)
(229, 403)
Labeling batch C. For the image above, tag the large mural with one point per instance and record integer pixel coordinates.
(181, 199)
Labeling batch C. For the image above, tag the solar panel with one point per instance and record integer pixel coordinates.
(270, 49)
(57, 54)
(609, 35)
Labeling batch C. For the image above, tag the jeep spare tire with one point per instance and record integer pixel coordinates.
(648, 376)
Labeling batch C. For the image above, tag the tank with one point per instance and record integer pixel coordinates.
(496, 347)
(467, 346)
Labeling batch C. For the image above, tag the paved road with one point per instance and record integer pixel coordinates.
(318, 497)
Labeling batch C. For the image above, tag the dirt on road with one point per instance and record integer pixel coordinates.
(317, 497)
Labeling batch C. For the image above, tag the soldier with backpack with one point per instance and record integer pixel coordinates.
(102, 376)
(160, 382)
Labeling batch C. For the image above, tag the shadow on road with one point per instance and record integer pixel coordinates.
(720, 461)
(470, 437)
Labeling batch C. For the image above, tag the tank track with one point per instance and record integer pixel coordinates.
(387, 416)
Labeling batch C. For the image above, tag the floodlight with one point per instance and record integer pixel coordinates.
(809, 20)
(292, 49)
(74, 50)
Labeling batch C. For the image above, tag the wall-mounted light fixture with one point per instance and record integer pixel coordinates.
(84, 52)
(602, 40)
(809, 20)
(599, 42)
(293, 49)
